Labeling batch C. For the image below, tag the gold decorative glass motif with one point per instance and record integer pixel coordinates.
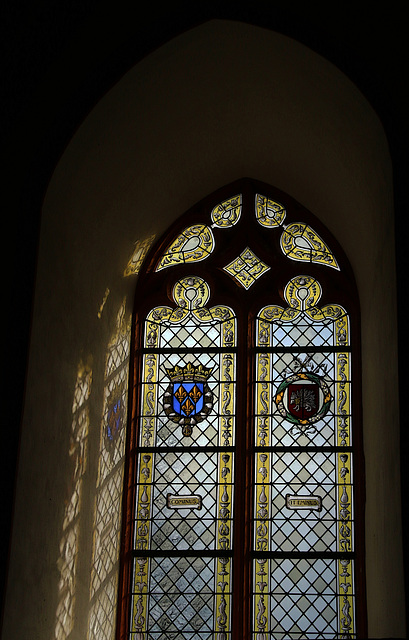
(303, 566)
(184, 496)
(246, 268)
(269, 213)
(194, 244)
(300, 242)
(227, 213)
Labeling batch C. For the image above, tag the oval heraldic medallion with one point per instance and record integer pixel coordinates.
(303, 399)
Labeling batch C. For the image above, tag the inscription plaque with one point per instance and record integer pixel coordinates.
(303, 502)
(183, 502)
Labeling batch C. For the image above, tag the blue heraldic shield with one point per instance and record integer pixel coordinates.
(188, 399)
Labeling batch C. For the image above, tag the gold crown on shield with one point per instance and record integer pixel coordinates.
(190, 371)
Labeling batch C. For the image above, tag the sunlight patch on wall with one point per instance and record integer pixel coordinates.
(102, 618)
(105, 298)
(107, 517)
(67, 561)
(141, 249)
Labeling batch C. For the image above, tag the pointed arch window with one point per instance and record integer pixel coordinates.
(244, 484)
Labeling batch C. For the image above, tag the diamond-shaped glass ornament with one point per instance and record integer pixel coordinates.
(246, 268)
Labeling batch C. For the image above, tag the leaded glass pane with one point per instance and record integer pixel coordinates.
(194, 244)
(331, 425)
(227, 213)
(310, 598)
(184, 493)
(303, 507)
(269, 213)
(300, 242)
(158, 429)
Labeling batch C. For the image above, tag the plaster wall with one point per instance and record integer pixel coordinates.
(220, 102)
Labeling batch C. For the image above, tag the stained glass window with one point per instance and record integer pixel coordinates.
(241, 520)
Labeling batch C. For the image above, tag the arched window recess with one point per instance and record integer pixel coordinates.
(243, 506)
